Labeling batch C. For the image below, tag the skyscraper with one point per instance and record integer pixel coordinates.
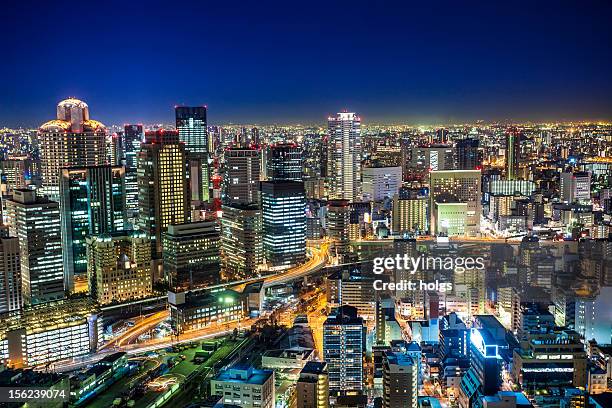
(119, 266)
(133, 136)
(467, 154)
(400, 381)
(513, 151)
(163, 197)
(344, 343)
(191, 126)
(241, 244)
(381, 182)
(73, 139)
(575, 186)
(10, 273)
(92, 201)
(36, 222)
(284, 162)
(344, 157)
(456, 187)
(192, 254)
(283, 209)
(242, 174)
(337, 225)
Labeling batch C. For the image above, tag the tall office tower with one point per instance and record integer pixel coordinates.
(241, 245)
(337, 225)
(10, 273)
(92, 201)
(409, 214)
(192, 254)
(442, 136)
(133, 136)
(575, 186)
(400, 381)
(483, 378)
(455, 187)
(468, 156)
(432, 158)
(119, 266)
(163, 191)
(513, 153)
(283, 212)
(312, 387)
(242, 173)
(381, 182)
(350, 287)
(115, 149)
(344, 157)
(191, 126)
(284, 162)
(71, 140)
(36, 222)
(15, 172)
(245, 387)
(344, 344)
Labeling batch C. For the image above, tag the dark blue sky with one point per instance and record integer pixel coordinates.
(258, 61)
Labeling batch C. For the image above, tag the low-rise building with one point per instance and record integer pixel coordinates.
(245, 387)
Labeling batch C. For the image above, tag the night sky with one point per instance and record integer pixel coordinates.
(280, 62)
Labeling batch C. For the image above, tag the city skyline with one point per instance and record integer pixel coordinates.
(267, 64)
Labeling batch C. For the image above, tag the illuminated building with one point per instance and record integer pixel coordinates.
(245, 387)
(468, 156)
(192, 254)
(484, 376)
(241, 244)
(400, 381)
(575, 187)
(119, 266)
(511, 187)
(344, 156)
(15, 172)
(381, 182)
(242, 173)
(71, 140)
(10, 273)
(441, 135)
(553, 359)
(36, 222)
(133, 137)
(284, 162)
(313, 386)
(433, 158)
(409, 215)
(450, 218)
(350, 287)
(92, 201)
(462, 186)
(344, 344)
(163, 196)
(283, 214)
(189, 311)
(191, 126)
(337, 225)
(513, 152)
(50, 332)
(533, 318)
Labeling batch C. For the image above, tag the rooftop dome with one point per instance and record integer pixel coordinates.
(72, 102)
(72, 116)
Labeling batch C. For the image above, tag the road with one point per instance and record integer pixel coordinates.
(127, 340)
